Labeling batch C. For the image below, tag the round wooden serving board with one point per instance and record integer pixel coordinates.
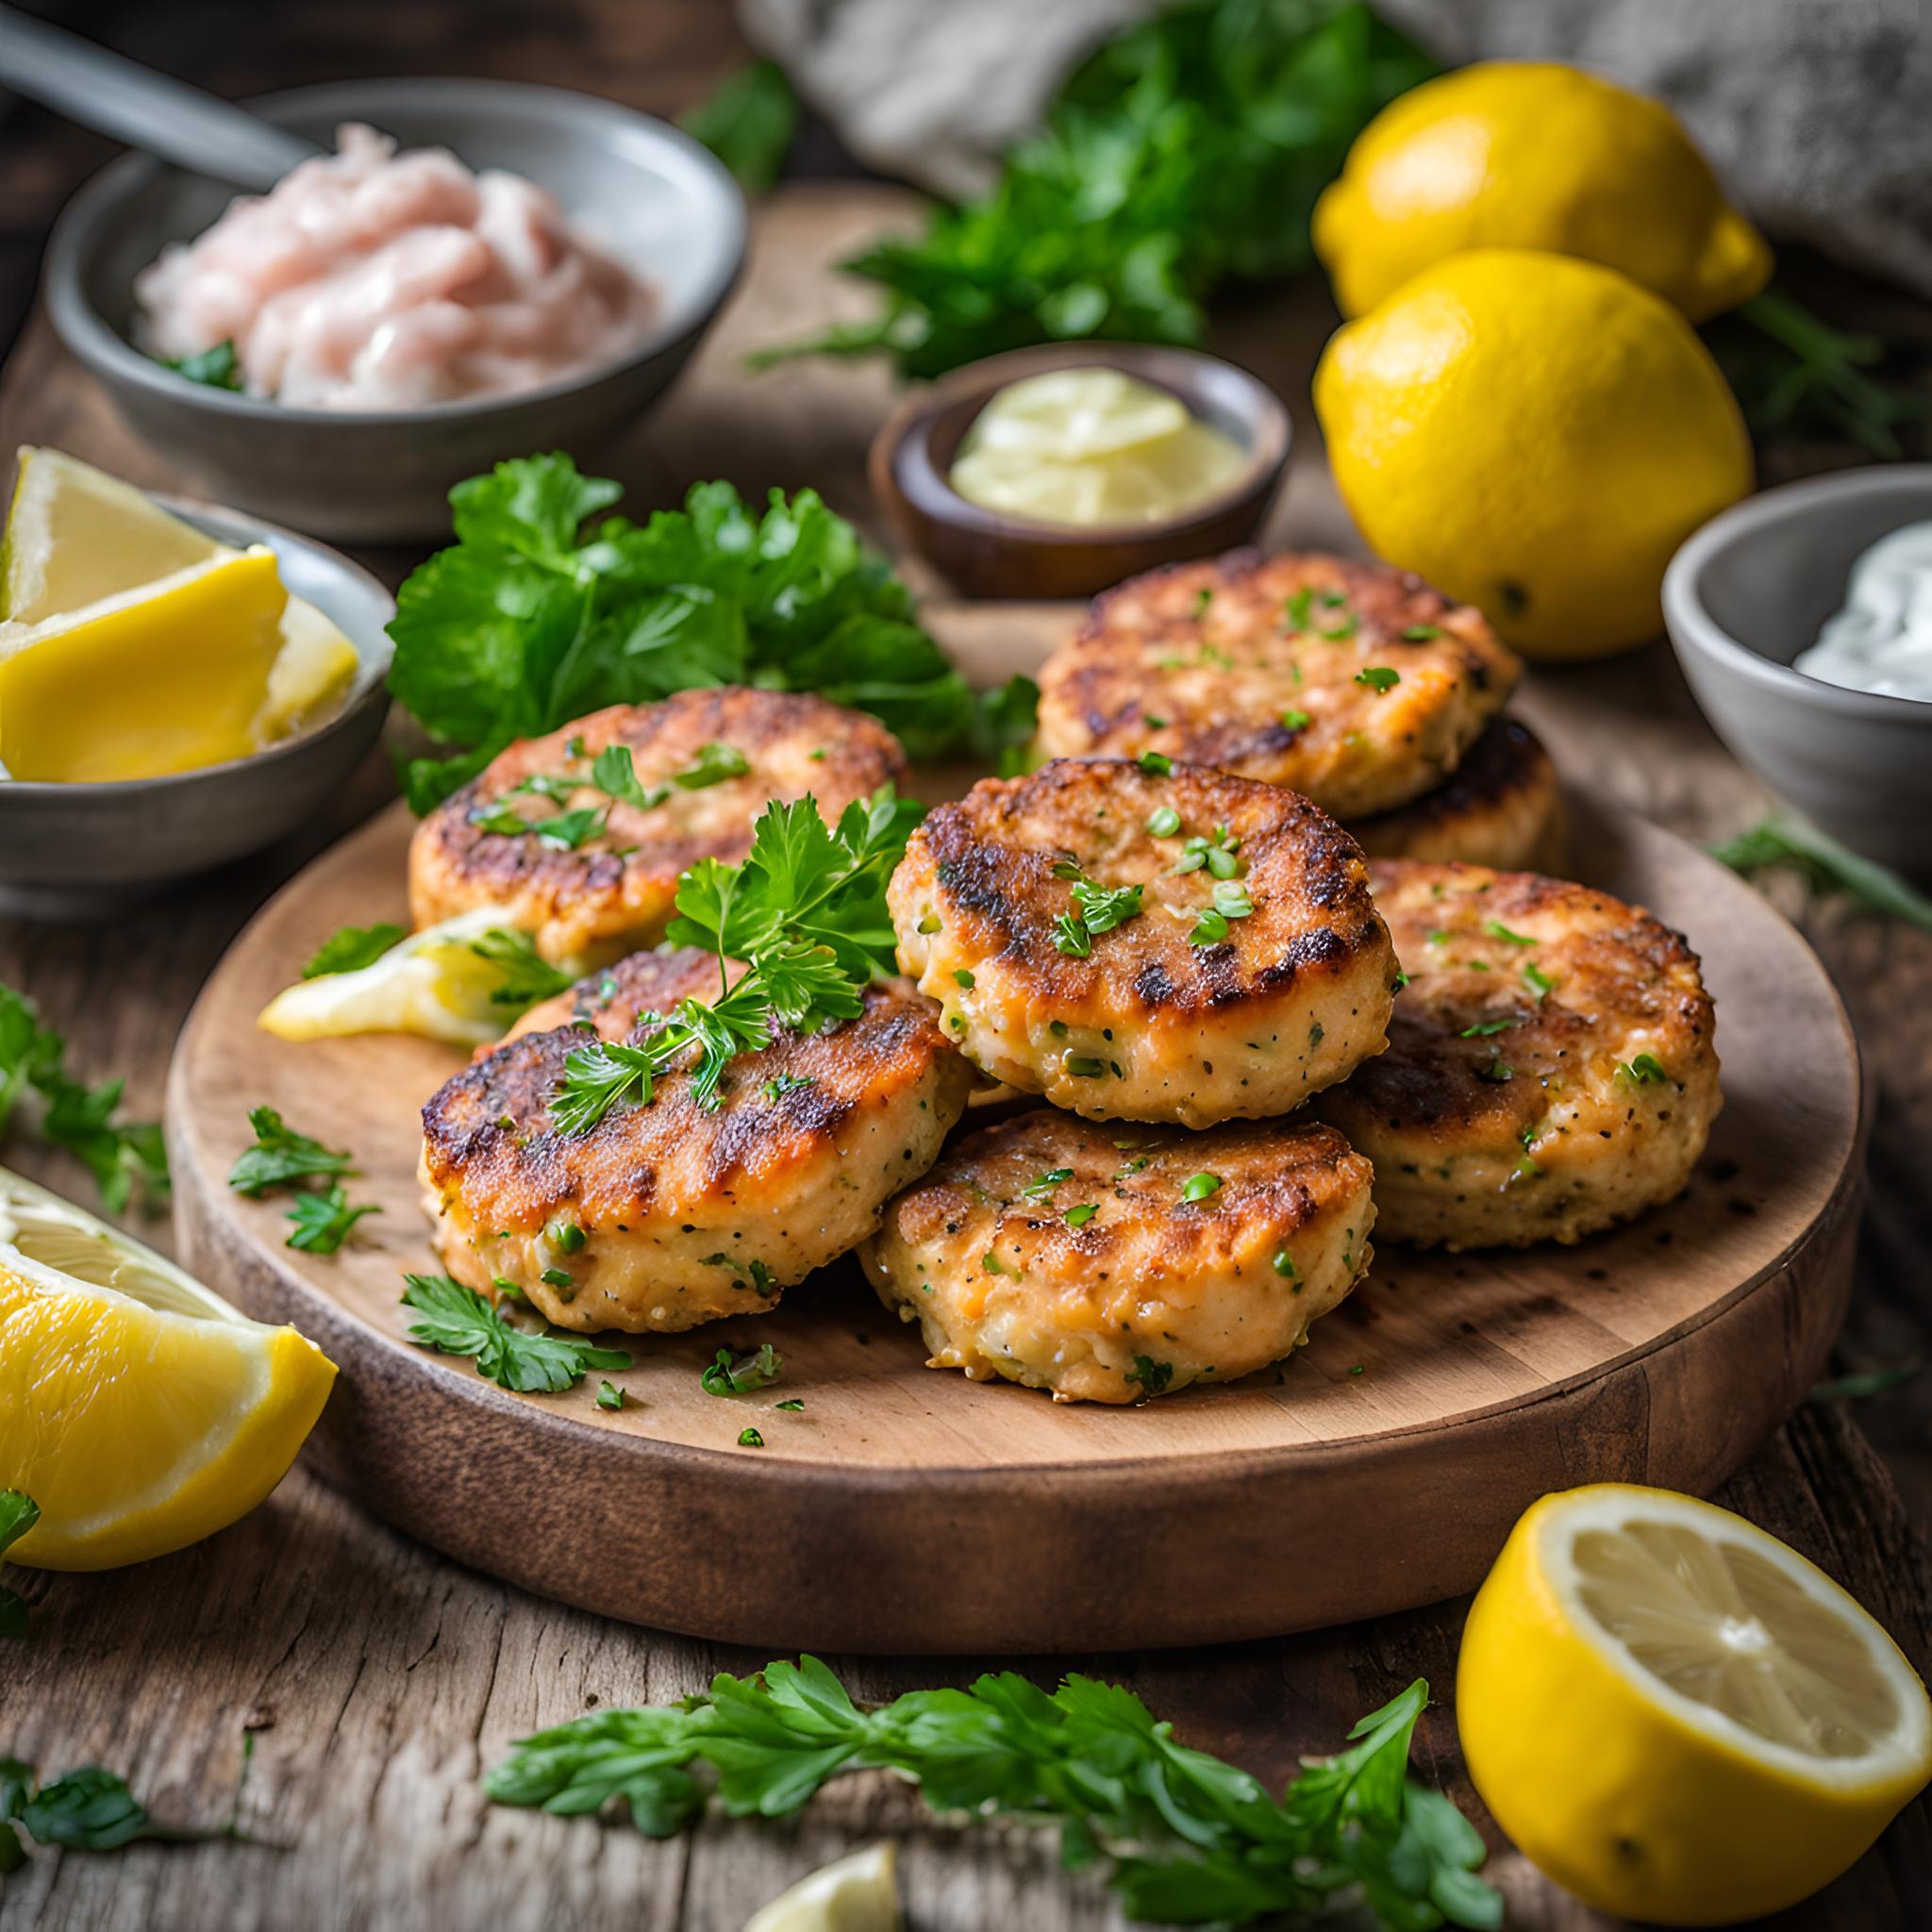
(907, 1510)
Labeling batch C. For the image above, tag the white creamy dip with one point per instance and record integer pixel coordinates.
(370, 279)
(1881, 642)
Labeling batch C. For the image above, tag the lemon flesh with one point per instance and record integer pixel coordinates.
(165, 679)
(432, 983)
(1676, 1716)
(78, 536)
(136, 1408)
(1087, 448)
(859, 1893)
(1536, 436)
(1509, 154)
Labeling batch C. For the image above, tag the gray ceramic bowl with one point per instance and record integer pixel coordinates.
(77, 851)
(650, 195)
(1745, 596)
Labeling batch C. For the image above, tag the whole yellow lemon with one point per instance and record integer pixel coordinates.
(1518, 153)
(1534, 435)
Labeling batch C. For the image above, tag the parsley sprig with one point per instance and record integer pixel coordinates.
(282, 1157)
(121, 1154)
(88, 1810)
(806, 911)
(1191, 1839)
(458, 1321)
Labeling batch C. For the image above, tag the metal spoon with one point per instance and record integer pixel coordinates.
(148, 111)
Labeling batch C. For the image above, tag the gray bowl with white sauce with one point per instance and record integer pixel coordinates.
(1747, 601)
(649, 195)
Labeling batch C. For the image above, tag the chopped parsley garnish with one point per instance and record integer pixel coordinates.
(1209, 929)
(1199, 1186)
(1156, 764)
(565, 1235)
(963, 979)
(1218, 854)
(1483, 1028)
(1083, 1066)
(1526, 1168)
(499, 816)
(723, 1377)
(1497, 931)
(714, 765)
(1164, 824)
(992, 1263)
(1643, 1070)
(1152, 722)
(1378, 677)
(1420, 633)
(1047, 1182)
(1203, 598)
(1537, 981)
(559, 1277)
(1284, 1265)
(1078, 1217)
(1343, 629)
(569, 830)
(806, 908)
(1299, 608)
(793, 1406)
(1231, 899)
(1152, 1375)
(780, 1085)
(615, 775)
(1496, 1071)
(351, 948)
(1071, 937)
(1102, 907)
(750, 1438)
(323, 1220)
(609, 1395)
(458, 1321)
(1295, 720)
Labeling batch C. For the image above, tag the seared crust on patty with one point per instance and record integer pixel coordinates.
(614, 890)
(1551, 1065)
(1256, 665)
(1147, 1023)
(1068, 1257)
(664, 1216)
(1501, 807)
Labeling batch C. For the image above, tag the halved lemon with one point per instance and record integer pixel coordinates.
(136, 1408)
(1674, 1715)
(433, 983)
(859, 1893)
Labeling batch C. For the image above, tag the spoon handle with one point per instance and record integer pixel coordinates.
(146, 109)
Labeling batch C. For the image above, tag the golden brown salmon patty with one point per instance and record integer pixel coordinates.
(1353, 684)
(1502, 807)
(1184, 946)
(1110, 1267)
(1551, 1065)
(664, 1216)
(594, 878)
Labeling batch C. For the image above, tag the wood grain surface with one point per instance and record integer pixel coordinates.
(378, 1679)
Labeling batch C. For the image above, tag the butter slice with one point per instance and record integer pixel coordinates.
(165, 679)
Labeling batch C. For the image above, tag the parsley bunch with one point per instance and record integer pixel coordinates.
(1188, 151)
(1192, 1839)
(806, 911)
(119, 1154)
(537, 615)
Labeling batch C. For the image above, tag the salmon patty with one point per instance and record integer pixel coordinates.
(1353, 684)
(1110, 1268)
(1551, 1066)
(1145, 944)
(592, 876)
(664, 1216)
(1502, 807)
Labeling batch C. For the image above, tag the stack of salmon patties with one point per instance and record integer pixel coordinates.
(1254, 1042)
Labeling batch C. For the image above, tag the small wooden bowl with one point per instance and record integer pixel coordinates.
(983, 554)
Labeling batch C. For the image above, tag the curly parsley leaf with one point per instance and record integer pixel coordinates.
(18, 1514)
(1190, 1838)
(282, 1157)
(323, 1220)
(537, 615)
(351, 948)
(121, 1154)
(458, 1321)
(723, 1377)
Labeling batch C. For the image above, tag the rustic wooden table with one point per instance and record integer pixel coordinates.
(365, 1684)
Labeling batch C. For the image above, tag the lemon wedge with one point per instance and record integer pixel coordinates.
(164, 678)
(136, 1408)
(1086, 447)
(855, 1894)
(1676, 1716)
(433, 983)
(78, 536)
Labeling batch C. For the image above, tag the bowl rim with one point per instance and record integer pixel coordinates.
(372, 684)
(1693, 630)
(88, 334)
(1272, 438)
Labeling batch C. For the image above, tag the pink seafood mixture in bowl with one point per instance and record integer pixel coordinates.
(377, 280)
